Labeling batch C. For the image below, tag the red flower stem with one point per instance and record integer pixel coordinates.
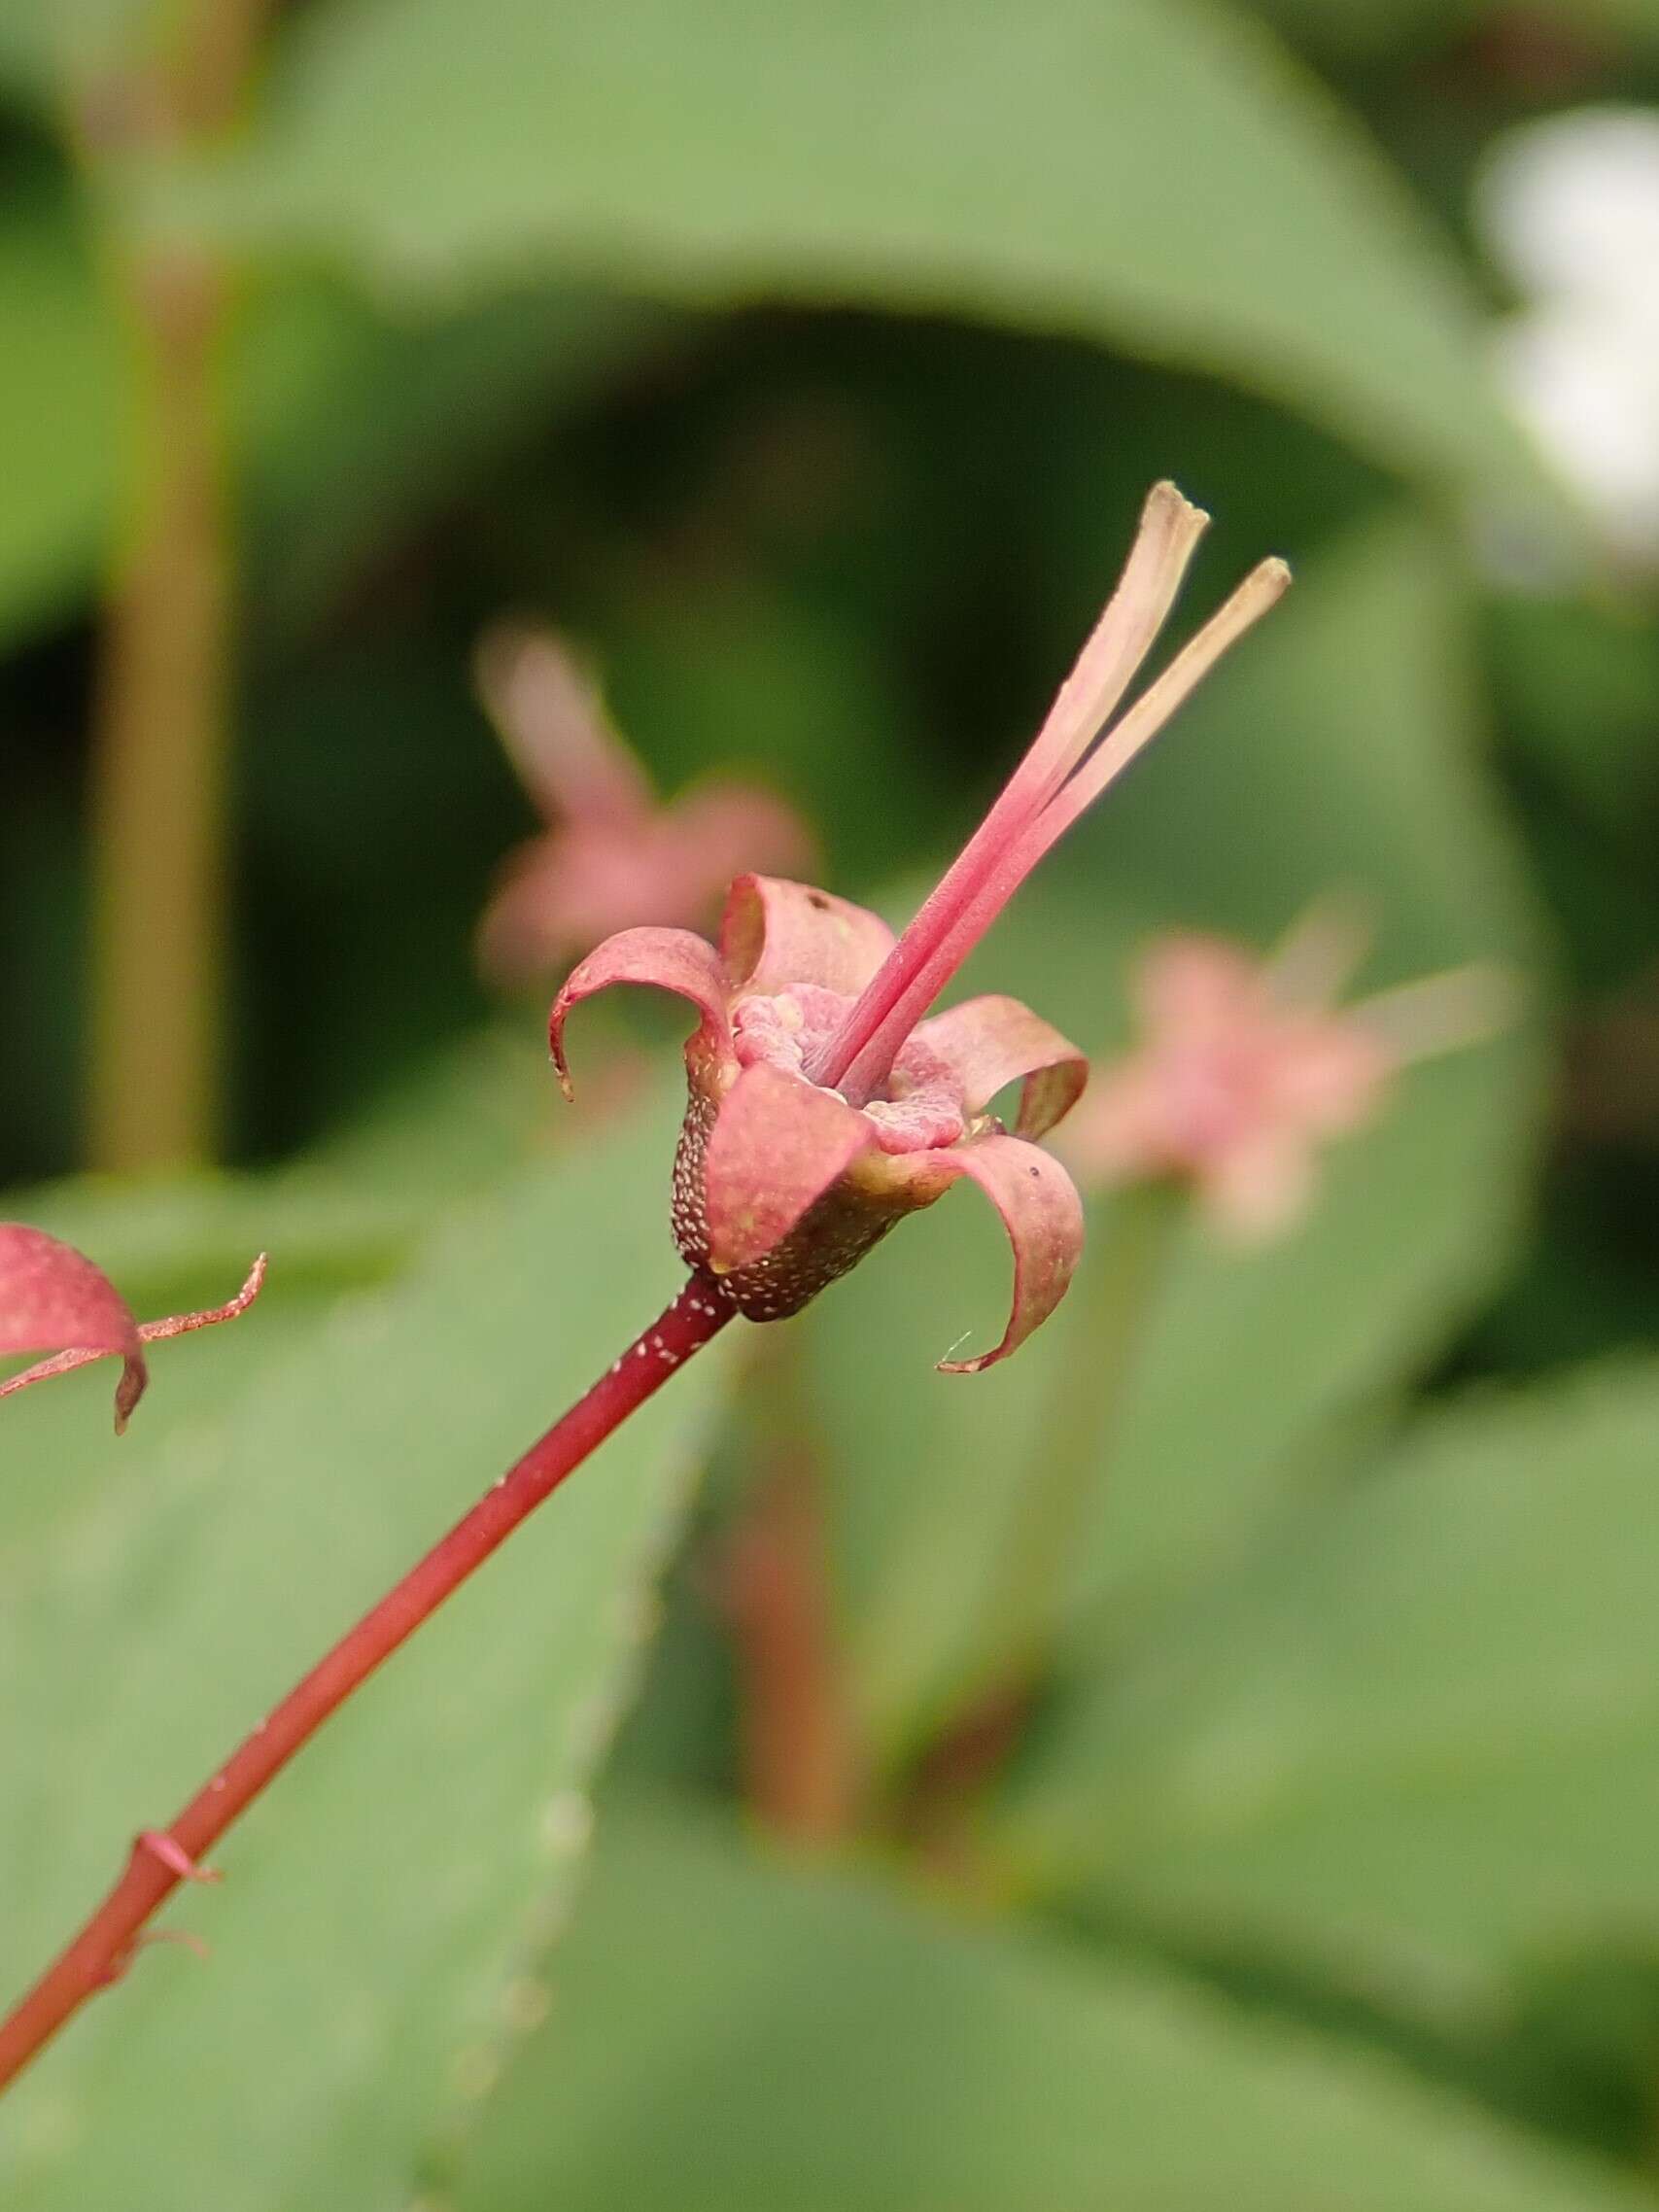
(98, 1955)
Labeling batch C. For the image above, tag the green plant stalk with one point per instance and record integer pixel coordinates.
(168, 647)
(159, 927)
(1111, 1307)
(802, 1761)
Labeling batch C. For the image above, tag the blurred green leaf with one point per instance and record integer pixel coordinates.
(1415, 1739)
(1152, 173)
(60, 387)
(728, 2032)
(1335, 753)
(49, 47)
(365, 424)
(365, 1941)
(1575, 683)
(353, 425)
(1372, 28)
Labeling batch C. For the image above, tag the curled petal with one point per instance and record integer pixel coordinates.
(81, 1354)
(775, 933)
(667, 959)
(1043, 1215)
(776, 1145)
(54, 1300)
(993, 1040)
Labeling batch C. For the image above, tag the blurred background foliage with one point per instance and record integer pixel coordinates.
(1292, 1839)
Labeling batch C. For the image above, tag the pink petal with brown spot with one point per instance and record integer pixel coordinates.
(1043, 1215)
(775, 933)
(777, 1146)
(664, 959)
(54, 1300)
(992, 1041)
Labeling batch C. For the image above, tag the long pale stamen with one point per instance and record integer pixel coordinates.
(1170, 528)
(939, 961)
(1442, 1014)
(1263, 588)
(1311, 967)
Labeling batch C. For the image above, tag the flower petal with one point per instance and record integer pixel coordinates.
(551, 720)
(667, 959)
(775, 933)
(1258, 1188)
(994, 1040)
(54, 1300)
(729, 828)
(776, 1145)
(1191, 990)
(1043, 1215)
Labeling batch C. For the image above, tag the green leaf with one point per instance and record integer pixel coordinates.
(49, 47)
(1416, 1739)
(362, 424)
(374, 1903)
(1152, 173)
(726, 2031)
(1333, 753)
(59, 386)
(350, 425)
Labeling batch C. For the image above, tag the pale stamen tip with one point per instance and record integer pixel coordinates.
(1167, 503)
(1272, 575)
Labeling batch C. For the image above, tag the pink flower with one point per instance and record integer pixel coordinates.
(610, 854)
(1246, 1067)
(54, 1300)
(824, 1106)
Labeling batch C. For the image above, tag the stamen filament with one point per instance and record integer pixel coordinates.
(1264, 587)
(1440, 1014)
(1261, 590)
(1170, 528)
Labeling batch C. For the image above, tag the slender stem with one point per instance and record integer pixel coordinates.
(1106, 1337)
(163, 714)
(159, 1860)
(802, 1763)
(1106, 1334)
(166, 650)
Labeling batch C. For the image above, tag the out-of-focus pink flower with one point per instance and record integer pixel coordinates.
(610, 854)
(1246, 1067)
(54, 1300)
(824, 1106)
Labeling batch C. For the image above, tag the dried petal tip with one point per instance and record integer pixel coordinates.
(54, 1298)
